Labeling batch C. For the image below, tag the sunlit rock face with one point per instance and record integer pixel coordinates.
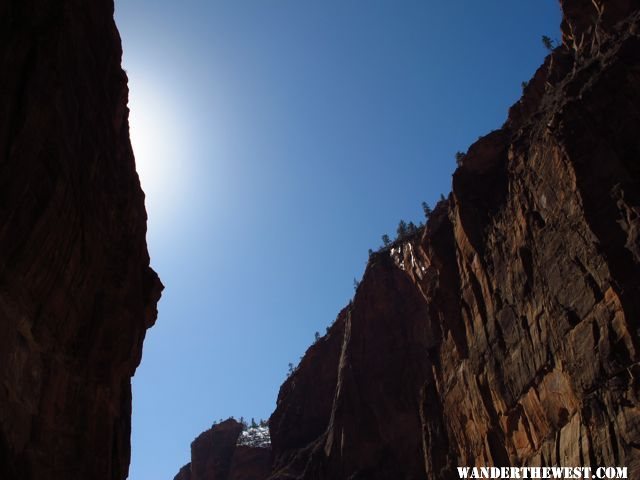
(226, 452)
(506, 333)
(76, 290)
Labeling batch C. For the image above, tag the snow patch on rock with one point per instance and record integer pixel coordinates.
(255, 437)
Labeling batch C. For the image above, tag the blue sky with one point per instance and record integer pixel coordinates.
(277, 141)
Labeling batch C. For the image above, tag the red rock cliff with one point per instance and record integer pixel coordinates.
(76, 290)
(507, 332)
(217, 455)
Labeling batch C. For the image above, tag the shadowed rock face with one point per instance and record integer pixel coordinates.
(76, 290)
(505, 334)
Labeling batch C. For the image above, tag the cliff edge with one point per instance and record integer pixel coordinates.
(76, 290)
(506, 332)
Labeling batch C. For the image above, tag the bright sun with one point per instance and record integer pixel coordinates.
(156, 142)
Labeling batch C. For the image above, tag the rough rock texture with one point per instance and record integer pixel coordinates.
(250, 463)
(216, 455)
(76, 290)
(507, 332)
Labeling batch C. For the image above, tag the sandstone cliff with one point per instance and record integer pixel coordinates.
(76, 290)
(506, 333)
(216, 455)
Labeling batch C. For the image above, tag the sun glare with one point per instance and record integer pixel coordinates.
(158, 146)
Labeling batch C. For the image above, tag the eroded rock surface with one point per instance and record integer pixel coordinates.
(507, 332)
(76, 290)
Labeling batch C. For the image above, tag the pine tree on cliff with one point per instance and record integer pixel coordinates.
(243, 422)
(402, 229)
(427, 210)
(548, 43)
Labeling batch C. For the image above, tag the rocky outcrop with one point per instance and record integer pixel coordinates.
(76, 290)
(216, 455)
(506, 333)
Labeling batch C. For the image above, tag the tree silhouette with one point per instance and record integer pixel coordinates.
(427, 210)
(386, 240)
(402, 229)
(243, 422)
(548, 43)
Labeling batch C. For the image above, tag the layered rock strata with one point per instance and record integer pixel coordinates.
(76, 290)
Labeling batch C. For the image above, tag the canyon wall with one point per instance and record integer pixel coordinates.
(506, 332)
(76, 290)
